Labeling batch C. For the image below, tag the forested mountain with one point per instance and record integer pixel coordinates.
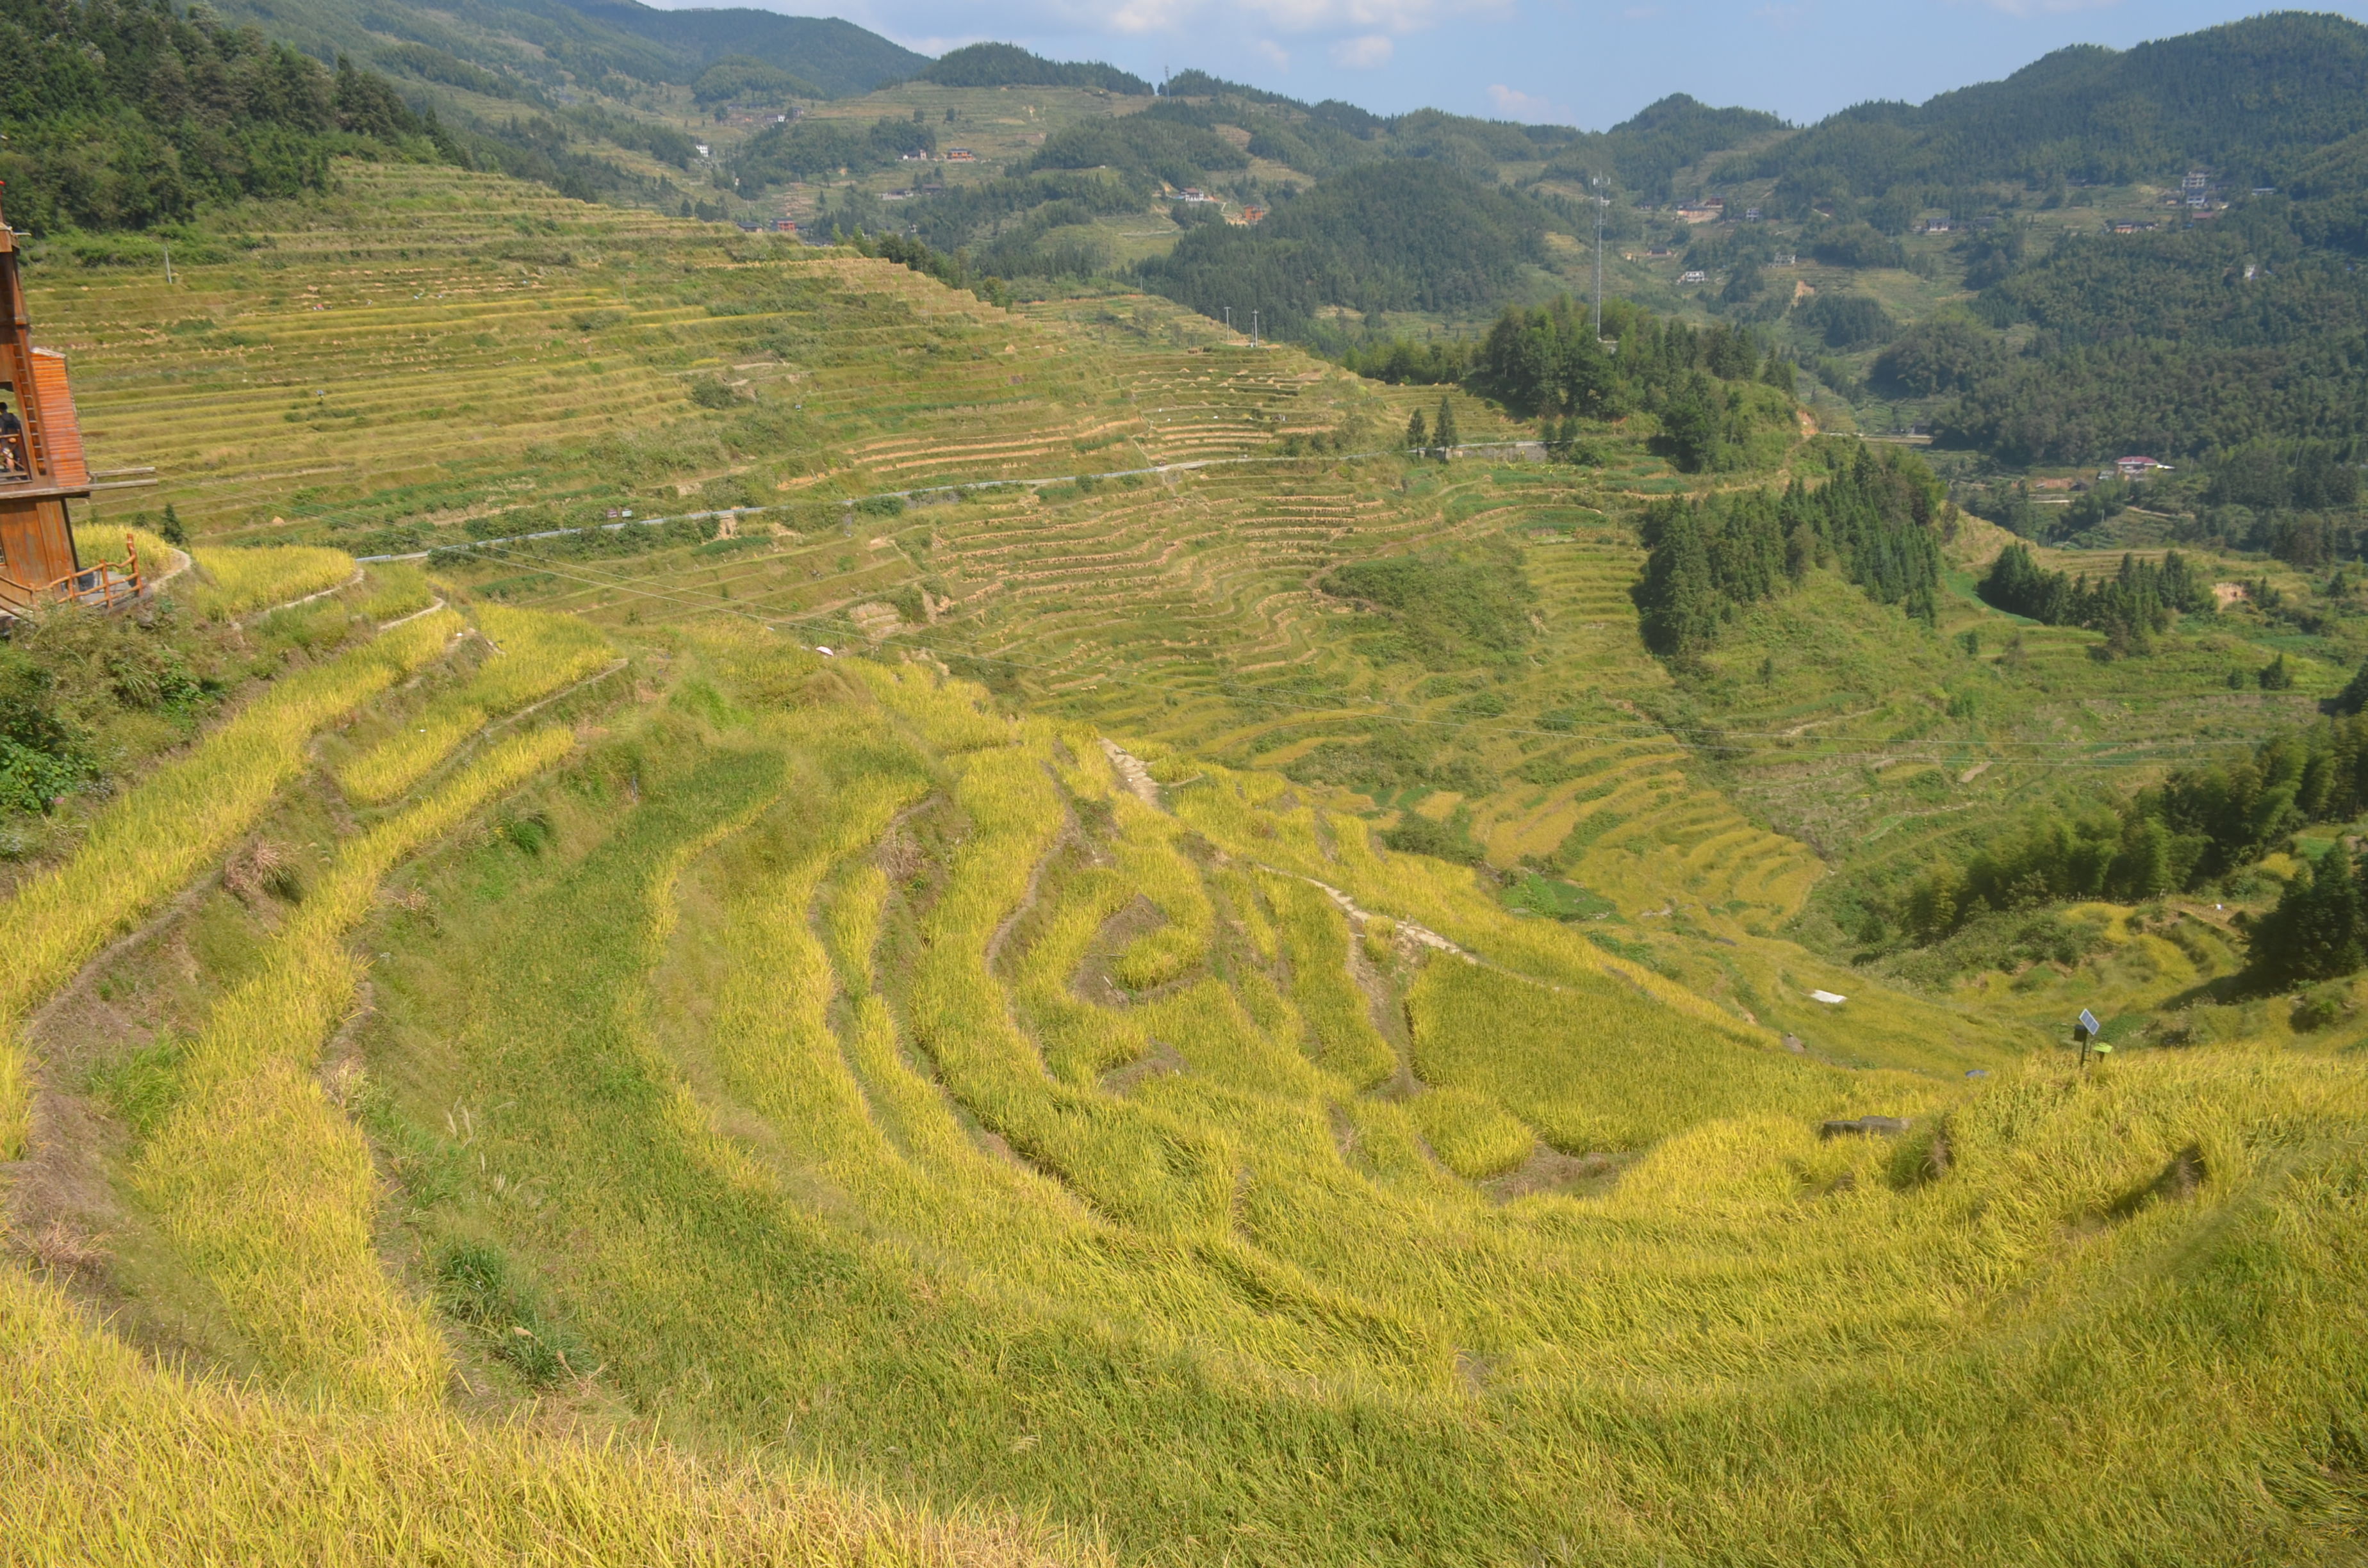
(2179, 343)
(1645, 153)
(1007, 65)
(2251, 100)
(2070, 343)
(1392, 236)
(837, 56)
(553, 44)
(133, 115)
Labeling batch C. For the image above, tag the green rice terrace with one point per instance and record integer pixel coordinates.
(739, 908)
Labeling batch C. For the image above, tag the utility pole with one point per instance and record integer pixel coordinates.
(1229, 318)
(1597, 181)
(168, 260)
(1254, 324)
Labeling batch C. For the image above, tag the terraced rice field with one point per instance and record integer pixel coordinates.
(591, 1069)
(521, 362)
(798, 1062)
(428, 346)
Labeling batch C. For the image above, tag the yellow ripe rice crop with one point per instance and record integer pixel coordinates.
(1594, 1066)
(396, 764)
(106, 1458)
(95, 542)
(1150, 860)
(538, 654)
(240, 581)
(1316, 936)
(265, 1190)
(1470, 1134)
(152, 840)
(392, 589)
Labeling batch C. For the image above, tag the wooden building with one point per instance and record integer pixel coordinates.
(42, 468)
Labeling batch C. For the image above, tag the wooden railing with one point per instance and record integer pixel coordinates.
(103, 586)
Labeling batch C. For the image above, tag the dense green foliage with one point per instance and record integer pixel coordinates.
(2273, 475)
(2199, 825)
(738, 78)
(1645, 152)
(2316, 930)
(809, 149)
(2252, 98)
(1434, 605)
(2252, 329)
(596, 37)
(1405, 235)
(1403, 362)
(2129, 606)
(1946, 354)
(1170, 141)
(1008, 65)
(1875, 520)
(1720, 404)
(129, 114)
(70, 681)
(953, 271)
(1848, 320)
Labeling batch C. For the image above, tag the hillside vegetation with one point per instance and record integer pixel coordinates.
(920, 930)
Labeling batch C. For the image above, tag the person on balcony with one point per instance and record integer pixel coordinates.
(12, 443)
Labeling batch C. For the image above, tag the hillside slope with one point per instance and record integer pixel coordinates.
(923, 964)
(808, 1060)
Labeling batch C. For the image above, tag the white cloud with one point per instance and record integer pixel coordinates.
(1274, 53)
(1366, 53)
(1511, 103)
(1784, 19)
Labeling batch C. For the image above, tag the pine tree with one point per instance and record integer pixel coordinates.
(2313, 933)
(2354, 695)
(1443, 435)
(1418, 436)
(172, 530)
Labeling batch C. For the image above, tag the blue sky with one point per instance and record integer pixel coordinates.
(1589, 62)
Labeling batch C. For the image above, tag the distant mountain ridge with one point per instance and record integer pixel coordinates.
(835, 55)
(546, 41)
(2248, 101)
(1009, 66)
